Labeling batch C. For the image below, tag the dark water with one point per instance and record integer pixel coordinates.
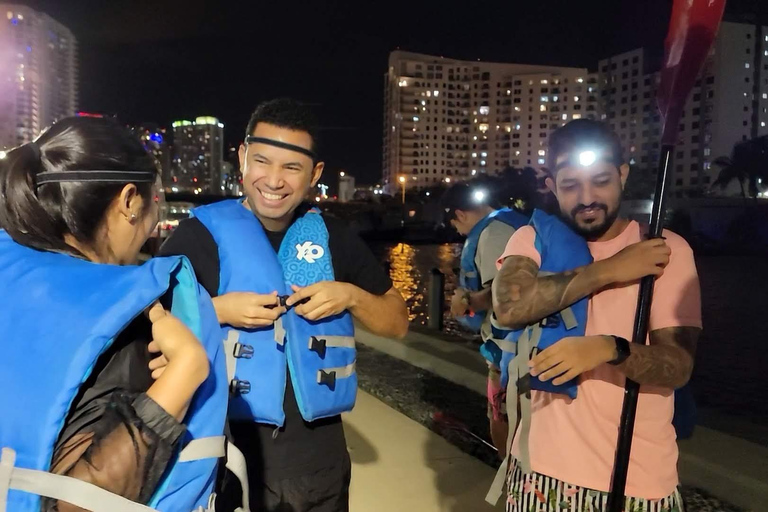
(731, 373)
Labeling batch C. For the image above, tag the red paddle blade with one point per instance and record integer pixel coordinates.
(692, 31)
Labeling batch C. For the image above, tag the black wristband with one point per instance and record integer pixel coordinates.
(622, 349)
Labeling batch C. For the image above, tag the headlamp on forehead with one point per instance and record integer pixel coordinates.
(479, 195)
(585, 158)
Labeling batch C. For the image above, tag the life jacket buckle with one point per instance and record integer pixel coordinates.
(239, 387)
(551, 321)
(243, 351)
(318, 345)
(524, 385)
(327, 378)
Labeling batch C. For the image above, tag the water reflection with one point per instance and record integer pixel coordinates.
(723, 309)
(409, 268)
(406, 277)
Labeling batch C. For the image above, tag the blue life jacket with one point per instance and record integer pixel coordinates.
(60, 314)
(469, 275)
(561, 250)
(320, 356)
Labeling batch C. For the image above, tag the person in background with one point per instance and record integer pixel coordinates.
(468, 209)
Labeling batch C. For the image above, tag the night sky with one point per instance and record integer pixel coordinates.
(156, 61)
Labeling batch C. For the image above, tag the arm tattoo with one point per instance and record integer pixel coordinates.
(521, 297)
(667, 361)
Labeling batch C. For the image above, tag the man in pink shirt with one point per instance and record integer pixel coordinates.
(572, 442)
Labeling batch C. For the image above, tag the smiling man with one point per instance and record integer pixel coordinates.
(287, 283)
(570, 450)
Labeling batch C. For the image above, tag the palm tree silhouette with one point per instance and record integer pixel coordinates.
(748, 164)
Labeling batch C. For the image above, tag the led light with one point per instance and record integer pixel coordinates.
(587, 158)
(479, 196)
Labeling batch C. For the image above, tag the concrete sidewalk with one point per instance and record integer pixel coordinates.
(397, 464)
(724, 465)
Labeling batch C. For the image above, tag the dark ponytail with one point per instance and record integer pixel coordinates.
(40, 216)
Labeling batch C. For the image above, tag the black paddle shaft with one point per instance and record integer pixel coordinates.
(640, 333)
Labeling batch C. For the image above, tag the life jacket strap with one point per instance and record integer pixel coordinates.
(237, 465)
(320, 344)
(59, 487)
(328, 376)
(518, 390)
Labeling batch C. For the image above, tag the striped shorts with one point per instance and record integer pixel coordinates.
(540, 493)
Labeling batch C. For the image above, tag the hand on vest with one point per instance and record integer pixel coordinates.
(460, 302)
(647, 258)
(158, 364)
(170, 336)
(570, 357)
(248, 310)
(326, 298)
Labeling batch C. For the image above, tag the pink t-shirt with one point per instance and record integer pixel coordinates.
(575, 440)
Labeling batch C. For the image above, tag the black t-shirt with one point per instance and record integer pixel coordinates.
(299, 448)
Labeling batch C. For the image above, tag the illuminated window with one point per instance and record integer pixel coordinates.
(484, 111)
(415, 118)
(580, 80)
(746, 65)
(403, 83)
(542, 108)
(542, 152)
(483, 127)
(542, 161)
(577, 116)
(544, 82)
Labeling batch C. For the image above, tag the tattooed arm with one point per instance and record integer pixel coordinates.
(521, 297)
(667, 361)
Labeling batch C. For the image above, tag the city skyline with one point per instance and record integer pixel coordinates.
(447, 119)
(158, 62)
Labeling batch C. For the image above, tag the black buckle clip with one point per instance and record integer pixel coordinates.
(239, 387)
(318, 345)
(243, 351)
(329, 379)
(551, 321)
(283, 299)
(524, 385)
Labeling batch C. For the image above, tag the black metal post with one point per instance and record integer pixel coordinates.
(629, 410)
(436, 299)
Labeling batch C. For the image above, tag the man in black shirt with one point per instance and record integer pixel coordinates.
(302, 466)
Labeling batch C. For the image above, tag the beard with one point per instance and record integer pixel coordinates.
(593, 230)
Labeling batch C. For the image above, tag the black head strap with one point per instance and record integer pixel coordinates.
(101, 176)
(284, 145)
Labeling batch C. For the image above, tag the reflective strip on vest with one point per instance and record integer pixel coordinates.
(236, 464)
(334, 341)
(230, 343)
(204, 448)
(59, 487)
(341, 372)
(518, 368)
